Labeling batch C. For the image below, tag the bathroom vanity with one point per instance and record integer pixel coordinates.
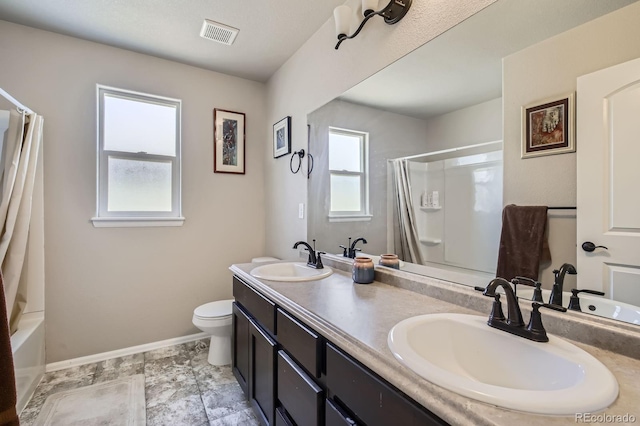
(315, 353)
(282, 362)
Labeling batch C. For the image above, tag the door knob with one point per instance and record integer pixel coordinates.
(588, 246)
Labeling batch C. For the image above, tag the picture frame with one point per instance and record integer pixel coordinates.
(548, 127)
(228, 141)
(282, 137)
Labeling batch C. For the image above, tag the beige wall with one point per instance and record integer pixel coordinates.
(110, 288)
(548, 69)
(467, 126)
(390, 136)
(317, 73)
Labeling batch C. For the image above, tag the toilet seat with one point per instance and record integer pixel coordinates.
(214, 310)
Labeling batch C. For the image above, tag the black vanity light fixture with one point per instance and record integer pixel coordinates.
(392, 13)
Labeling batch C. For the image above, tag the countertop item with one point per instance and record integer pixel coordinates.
(358, 318)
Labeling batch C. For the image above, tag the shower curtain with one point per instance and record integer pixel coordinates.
(22, 144)
(406, 241)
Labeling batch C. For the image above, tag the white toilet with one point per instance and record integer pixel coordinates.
(215, 318)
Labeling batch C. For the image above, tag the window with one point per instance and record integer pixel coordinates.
(348, 171)
(138, 159)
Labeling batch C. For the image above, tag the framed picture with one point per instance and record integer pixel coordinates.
(548, 127)
(228, 141)
(282, 137)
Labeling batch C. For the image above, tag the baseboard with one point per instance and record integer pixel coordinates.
(75, 362)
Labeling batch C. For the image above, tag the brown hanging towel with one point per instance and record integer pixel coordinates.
(523, 242)
(8, 396)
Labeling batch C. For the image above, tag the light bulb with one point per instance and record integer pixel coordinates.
(369, 5)
(342, 16)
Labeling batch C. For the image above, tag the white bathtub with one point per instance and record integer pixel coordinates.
(27, 345)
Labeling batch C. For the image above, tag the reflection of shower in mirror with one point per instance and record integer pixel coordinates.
(448, 212)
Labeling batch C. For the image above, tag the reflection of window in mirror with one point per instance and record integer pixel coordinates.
(348, 174)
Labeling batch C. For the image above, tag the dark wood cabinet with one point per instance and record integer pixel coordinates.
(293, 376)
(282, 419)
(301, 397)
(240, 347)
(262, 373)
(335, 416)
(256, 305)
(302, 343)
(372, 401)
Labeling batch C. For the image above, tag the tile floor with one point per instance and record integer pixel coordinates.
(181, 387)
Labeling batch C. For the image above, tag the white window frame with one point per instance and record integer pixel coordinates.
(105, 218)
(364, 213)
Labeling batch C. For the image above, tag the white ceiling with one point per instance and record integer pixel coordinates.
(463, 66)
(270, 31)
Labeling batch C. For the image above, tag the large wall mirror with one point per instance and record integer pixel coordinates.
(440, 130)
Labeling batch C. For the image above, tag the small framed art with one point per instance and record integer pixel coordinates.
(548, 127)
(282, 137)
(228, 141)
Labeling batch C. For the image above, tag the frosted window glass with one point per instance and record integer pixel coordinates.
(345, 193)
(345, 152)
(136, 126)
(139, 185)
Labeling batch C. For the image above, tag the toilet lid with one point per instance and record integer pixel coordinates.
(221, 308)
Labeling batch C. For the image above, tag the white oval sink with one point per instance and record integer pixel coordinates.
(290, 271)
(463, 354)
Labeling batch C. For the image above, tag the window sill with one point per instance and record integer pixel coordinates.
(135, 222)
(358, 218)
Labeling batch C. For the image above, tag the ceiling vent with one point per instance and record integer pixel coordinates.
(218, 32)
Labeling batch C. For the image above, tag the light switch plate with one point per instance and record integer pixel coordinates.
(301, 211)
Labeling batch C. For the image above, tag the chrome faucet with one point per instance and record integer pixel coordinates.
(314, 261)
(514, 323)
(558, 284)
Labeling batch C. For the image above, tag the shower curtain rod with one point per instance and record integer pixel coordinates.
(445, 151)
(15, 102)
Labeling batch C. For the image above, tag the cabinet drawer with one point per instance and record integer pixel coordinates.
(335, 416)
(371, 400)
(301, 343)
(298, 393)
(282, 419)
(258, 306)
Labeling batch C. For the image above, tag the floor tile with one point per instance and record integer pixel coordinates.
(183, 411)
(241, 418)
(169, 351)
(181, 387)
(74, 373)
(224, 401)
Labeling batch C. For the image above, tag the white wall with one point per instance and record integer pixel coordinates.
(109, 288)
(548, 69)
(317, 73)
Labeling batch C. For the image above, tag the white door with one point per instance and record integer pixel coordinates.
(608, 191)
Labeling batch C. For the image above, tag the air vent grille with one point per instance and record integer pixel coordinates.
(218, 32)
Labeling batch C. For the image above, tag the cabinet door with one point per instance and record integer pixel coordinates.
(240, 348)
(262, 374)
